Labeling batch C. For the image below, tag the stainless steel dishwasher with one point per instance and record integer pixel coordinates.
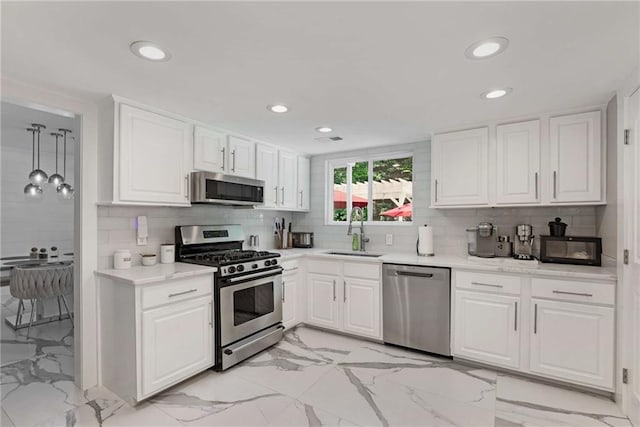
(416, 307)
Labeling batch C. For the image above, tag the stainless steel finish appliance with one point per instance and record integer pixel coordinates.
(247, 293)
(416, 307)
(217, 188)
(302, 239)
(523, 245)
(571, 250)
(486, 240)
(503, 246)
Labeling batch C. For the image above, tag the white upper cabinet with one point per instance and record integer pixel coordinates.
(459, 166)
(304, 177)
(287, 179)
(575, 158)
(241, 157)
(267, 171)
(209, 149)
(518, 163)
(153, 157)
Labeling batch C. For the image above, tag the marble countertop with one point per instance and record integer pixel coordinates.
(503, 265)
(144, 275)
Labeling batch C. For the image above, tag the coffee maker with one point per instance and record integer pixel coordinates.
(486, 240)
(523, 245)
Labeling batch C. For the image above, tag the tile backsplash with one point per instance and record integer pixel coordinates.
(449, 224)
(117, 226)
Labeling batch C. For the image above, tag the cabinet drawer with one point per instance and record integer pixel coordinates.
(501, 283)
(570, 290)
(324, 267)
(176, 290)
(361, 270)
(291, 265)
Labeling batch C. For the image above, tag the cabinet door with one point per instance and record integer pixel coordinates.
(572, 341)
(487, 327)
(575, 158)
(242, 157)
(209, 149)
(287, 179)
(168, 353)
(154, 152)
(289, 299)
(460, 164)
(322, 300)
(518, 163)
(304, 197)
(362, 307)
(267, 171)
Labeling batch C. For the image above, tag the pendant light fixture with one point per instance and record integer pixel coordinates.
(65, 190)
(38, 176)
(56, 179)
(32, 190)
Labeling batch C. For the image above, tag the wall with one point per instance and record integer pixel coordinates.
(116, 226)
(607, 215)
(26, 222)
(449, 224)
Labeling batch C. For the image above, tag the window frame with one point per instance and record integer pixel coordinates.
(332, 164)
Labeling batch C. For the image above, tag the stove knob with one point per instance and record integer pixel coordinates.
(232, 270)
(240, 268)
(267, 263)
(254, 266)
(274, 261)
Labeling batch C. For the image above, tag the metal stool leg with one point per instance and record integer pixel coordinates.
(18, 313)
(64, 301)
(59, 310)
(33, 311)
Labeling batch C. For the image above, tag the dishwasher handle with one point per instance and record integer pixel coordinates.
(413, 274)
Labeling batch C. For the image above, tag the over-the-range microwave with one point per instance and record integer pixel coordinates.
(217, 188)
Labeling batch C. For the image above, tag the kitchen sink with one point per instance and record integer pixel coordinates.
(361, 254)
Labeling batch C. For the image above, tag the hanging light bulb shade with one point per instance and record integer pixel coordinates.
(65, 190)
(31, 190)
(56, 179)
(37, 175)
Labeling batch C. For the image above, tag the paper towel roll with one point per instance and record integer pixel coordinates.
(425, 240)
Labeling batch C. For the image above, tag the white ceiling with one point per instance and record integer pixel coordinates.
(377, 72)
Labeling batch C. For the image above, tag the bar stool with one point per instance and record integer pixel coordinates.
(33, 283)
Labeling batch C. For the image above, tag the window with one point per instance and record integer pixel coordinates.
(380, 186)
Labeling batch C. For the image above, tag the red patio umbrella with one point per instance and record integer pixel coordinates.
(404, 211)
(340, 200)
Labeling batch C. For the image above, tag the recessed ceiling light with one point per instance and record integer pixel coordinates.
(324, 129)
(278, 108)
(496, 93)
(150, 51)
(486, 48)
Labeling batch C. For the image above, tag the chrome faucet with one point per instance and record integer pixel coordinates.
(363, 240)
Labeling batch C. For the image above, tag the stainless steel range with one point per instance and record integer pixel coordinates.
(248, 289)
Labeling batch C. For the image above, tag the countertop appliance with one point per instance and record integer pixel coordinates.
(486, 240)
(557, 228)
(302, 239)
(504, 246)
(571, 250)
(416, 307)
(217, 188)
(247, 290)
(523, 245)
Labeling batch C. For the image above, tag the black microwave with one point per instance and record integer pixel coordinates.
(571, 250)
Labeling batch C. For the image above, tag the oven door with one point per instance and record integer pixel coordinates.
(249, 304)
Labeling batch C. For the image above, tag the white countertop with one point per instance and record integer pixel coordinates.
(504, 265)
(143, 275)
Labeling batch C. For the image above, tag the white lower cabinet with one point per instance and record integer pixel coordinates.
(187, 323)
(487, 328)
(322, 307)
(573, 342)
(156, 335)
(342, 302)
(290, 294)
(550, 327)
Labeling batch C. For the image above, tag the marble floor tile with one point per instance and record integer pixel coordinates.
(5, 421)
(302, 414)
(298, 361)
(523, 402)
(223, 399)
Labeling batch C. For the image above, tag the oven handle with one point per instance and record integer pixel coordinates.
(254, 276)
(229, 351)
